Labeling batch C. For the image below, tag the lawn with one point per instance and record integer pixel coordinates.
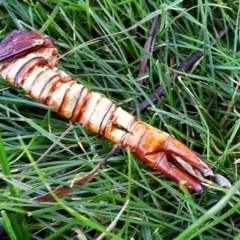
(101, 45)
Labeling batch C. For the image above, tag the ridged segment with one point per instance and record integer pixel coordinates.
(100, 117)
(49, 86)
(43, 77)
(56, 97)
(30, 79)
(70, 100)
(123, 118)
(15, 73)
(88, 109)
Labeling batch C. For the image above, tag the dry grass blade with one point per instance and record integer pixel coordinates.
(114, 222)
(62, 191)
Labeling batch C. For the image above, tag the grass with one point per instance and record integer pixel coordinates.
(101, 44)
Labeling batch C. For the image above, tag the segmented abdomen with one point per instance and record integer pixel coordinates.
(72, 100)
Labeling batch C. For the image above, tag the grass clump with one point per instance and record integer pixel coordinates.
(101, 44)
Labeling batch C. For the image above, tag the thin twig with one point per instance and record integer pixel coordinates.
(148, 48)
(183, 67)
